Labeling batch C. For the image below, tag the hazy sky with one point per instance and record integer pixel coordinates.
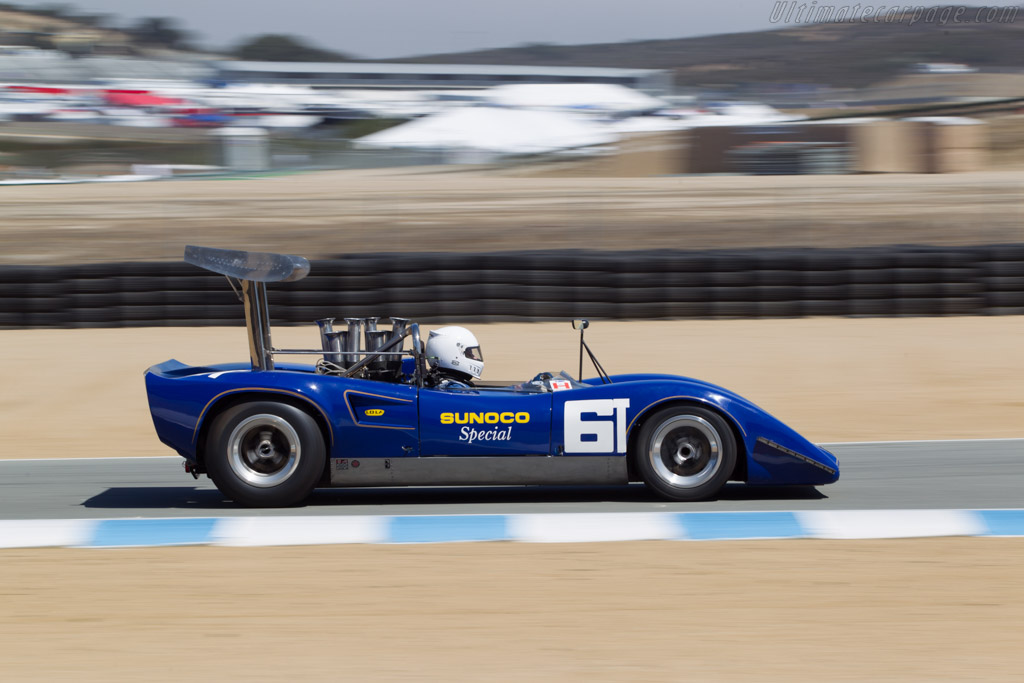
(397, 28)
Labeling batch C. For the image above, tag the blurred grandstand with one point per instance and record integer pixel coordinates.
(83, 98)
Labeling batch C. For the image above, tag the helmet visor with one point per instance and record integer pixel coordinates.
(474, 353)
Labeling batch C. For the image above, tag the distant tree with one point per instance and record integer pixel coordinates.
(161, 31)
(275, 47)
(96, 20)
(58, 11)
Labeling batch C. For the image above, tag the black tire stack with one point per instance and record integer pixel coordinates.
(538, 286)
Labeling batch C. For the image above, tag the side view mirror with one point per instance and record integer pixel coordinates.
(582, 324)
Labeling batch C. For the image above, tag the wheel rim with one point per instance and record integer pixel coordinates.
(686, 451)
(263, 450)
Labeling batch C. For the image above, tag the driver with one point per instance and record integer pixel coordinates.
(454, 356)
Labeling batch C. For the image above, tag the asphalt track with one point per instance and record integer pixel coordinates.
(898, 475)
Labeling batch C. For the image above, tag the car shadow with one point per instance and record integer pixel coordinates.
(209, 498)
(160, 498)
(744, 492)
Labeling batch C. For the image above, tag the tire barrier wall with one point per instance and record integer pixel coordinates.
(537, 286)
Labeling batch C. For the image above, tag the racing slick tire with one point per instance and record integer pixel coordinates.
(265, 454)
(685, 453)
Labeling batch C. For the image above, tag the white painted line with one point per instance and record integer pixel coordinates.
(593, 527)
(260, 531)
(854, 524)
(41, 533)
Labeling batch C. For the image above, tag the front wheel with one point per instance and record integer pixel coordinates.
(265, 454)
(686, 453)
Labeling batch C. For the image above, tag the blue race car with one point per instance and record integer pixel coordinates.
(372, 412)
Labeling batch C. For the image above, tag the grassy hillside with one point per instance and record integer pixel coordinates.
(837, 54)
(63, 27)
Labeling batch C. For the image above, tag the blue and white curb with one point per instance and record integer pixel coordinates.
(529, 528)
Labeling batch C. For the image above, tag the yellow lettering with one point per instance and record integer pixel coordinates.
(484, 418)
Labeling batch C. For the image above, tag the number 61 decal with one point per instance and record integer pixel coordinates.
(605, 436)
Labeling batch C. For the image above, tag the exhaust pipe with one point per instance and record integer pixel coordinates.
(399, 328)
(373, 340)
(343, 347)
(350, 341)
(330, 340)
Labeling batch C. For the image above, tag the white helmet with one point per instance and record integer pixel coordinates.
(455, 349)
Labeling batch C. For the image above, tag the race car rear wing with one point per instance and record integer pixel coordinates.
(248, 265)
(253, 270)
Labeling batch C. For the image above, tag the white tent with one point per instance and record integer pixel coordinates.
(597, 97)
(494, 131)
(723, 114)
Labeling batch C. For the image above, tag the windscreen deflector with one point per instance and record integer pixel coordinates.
(248, 265)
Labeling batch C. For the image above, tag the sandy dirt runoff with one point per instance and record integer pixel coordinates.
(80, 393)
(338, 212)
(925, 610)
(936, 609)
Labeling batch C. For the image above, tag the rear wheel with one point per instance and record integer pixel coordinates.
(265, 454)
(686, 453)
